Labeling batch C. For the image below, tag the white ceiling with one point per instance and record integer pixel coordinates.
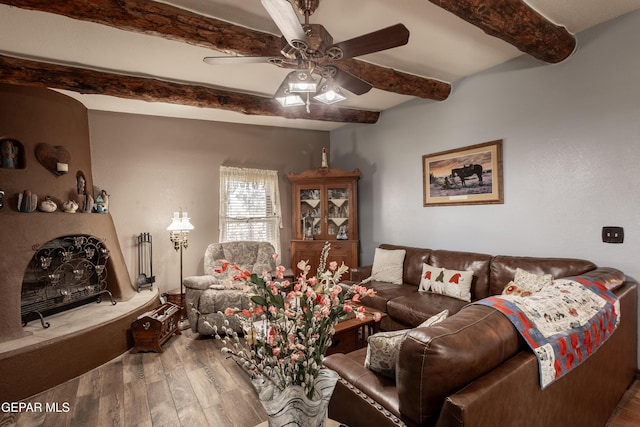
(441, 46)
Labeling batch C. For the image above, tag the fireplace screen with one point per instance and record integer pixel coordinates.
(64, 273)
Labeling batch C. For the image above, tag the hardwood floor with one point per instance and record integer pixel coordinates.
(627, 414)
(190, 384)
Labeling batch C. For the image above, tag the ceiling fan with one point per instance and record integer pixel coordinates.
(309, 49)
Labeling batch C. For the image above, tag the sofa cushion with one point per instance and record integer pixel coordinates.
(411, 310)
(503, 268)
(385, 292)
(351, 368)
(387, 265)
(383, 347)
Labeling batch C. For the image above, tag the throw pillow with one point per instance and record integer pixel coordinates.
(525, 284)
(382, 352)
(454, 283)
(429, 275)
(436, 318)
(383, 348)
(388, 265)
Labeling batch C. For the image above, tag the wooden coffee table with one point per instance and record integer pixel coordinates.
(351, 334)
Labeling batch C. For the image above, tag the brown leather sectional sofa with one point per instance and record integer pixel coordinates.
(474, 369)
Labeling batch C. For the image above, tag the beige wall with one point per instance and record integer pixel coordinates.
(152, 166)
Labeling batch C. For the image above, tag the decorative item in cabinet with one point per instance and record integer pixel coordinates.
(154, 328)
(325, 208)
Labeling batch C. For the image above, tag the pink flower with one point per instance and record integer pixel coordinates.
(377, 316)
(229, 311)
(360, 316)
(223, 267)
(275, 351)
(280, 272)
(347, 308)
(333, 265)
(355, 298)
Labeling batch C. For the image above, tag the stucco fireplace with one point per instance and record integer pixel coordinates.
(32, 116)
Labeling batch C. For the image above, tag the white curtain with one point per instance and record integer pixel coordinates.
(250, 205)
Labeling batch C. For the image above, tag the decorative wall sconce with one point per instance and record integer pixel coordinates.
(54, 159)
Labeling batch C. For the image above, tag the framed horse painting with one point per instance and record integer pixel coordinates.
(464, 176)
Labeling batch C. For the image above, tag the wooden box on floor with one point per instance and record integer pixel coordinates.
(154, 328)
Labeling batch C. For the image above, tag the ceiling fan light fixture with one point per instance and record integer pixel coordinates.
(329, 93)
(302, 81)
(286, 98)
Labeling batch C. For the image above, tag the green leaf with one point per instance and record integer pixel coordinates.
(277, 301)
(260, 300)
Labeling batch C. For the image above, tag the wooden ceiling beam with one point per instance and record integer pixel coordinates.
(516, 23)
(85, 81)
(170, 22)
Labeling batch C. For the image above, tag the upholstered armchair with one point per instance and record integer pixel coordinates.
(206, 297)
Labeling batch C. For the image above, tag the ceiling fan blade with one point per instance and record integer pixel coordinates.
(234, 60)
(351, 83)
(282, 13)
(387, 38)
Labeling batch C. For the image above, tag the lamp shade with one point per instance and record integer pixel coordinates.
(286, 98)
(302, 81)
(180, 223)
(329, 93)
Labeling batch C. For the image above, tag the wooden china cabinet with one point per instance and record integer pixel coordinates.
(325, 208)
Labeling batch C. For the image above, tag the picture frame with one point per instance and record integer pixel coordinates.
(469, 175)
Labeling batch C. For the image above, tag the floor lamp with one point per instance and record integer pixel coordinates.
(179, 235)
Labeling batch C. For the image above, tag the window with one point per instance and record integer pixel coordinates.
(250, 205)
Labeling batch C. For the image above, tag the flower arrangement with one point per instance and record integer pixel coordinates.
(290, 325)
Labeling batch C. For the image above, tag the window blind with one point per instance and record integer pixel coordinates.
(250, 205)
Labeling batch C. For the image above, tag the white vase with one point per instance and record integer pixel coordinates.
(291, 407)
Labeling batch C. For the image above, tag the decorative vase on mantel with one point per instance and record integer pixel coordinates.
(291, 406)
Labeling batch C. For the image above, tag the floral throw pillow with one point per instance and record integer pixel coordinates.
(383, 348)
(454, 283)
(525, 284)
(429, 275)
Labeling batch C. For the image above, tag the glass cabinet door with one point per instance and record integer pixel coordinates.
(338, 212)
(310, 212)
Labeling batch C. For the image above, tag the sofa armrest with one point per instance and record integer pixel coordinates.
(358, 274)
(443, 358)
(200, 282)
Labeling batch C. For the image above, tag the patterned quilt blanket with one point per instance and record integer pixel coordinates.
(563, 324)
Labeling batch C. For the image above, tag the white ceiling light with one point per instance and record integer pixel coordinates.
(329, 93)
